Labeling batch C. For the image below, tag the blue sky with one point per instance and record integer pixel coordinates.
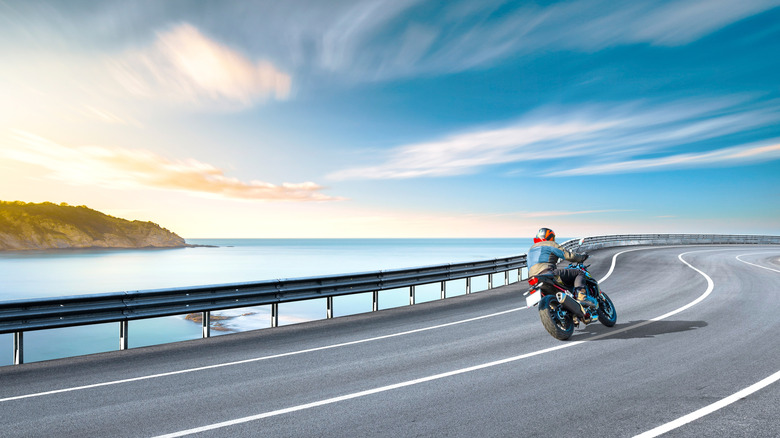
(397, 118)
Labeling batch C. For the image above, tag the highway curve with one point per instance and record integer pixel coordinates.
(695, 353)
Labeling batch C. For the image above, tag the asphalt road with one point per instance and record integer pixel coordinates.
(696, 325)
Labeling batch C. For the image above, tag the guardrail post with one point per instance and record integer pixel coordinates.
(468, 285)
(329, 313)
(124, 326)
(275, 315)
(18, 348)
(443, 290)
(411, 295)
(375, 301)
(206, 321)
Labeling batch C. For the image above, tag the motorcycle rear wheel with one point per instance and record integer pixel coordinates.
(555, 320)
(607, 312)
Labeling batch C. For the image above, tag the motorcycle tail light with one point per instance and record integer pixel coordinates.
(533, 281)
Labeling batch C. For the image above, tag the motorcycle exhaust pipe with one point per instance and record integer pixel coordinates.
(570, 304)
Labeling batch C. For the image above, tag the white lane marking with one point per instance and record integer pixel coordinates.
(719, 404)
(711, 408)
(710, 286)
(753, 264)
(361, 393)
(257, 359)
(614, 259)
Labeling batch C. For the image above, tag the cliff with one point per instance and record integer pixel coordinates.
(26, 226)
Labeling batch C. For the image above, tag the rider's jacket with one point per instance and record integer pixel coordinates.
(544, 255)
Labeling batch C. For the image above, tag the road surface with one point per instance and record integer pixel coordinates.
(695, 353)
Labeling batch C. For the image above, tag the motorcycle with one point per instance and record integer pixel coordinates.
(560, 312)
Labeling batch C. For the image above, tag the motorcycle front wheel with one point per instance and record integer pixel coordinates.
(555, 320)
(607, 312)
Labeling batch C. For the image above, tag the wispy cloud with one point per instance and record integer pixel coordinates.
(465, 153)
(595, 24)
(603, 139)
(120, 168)
(732, 156)
(377, 40)
(185, 66)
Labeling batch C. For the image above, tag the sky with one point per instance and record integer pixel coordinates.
(397, 118)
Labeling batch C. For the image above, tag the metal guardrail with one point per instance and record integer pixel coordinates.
(20, 316)
(597, 242)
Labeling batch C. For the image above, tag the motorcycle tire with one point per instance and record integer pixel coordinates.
(555, 320)
(607, 312)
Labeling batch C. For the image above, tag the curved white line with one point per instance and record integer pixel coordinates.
(614, 259)
(711, 408)
(710, 286)
(695, 415)
(753, 264)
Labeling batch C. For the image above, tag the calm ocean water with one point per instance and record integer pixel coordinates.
(75, 272)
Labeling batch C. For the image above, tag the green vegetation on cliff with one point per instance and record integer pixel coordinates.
(25, 226)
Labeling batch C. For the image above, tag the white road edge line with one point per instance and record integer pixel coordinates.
(256, 359)
(614, 261)
(753, 264)
(711, 408)
(710, 287)
(360, 394)
(674, 424)
(326, 347)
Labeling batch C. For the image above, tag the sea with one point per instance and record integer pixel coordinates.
(38, 274)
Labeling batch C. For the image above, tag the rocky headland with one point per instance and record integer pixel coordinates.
(29, 226)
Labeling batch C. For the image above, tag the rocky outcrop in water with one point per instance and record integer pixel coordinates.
(29, 226)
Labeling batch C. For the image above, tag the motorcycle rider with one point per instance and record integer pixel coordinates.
(543, 256)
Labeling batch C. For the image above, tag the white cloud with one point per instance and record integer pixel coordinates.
(681, 22)
(380, 40)
(722, 157)
(184, 66)
(611, 135)
(120, 168)
(465, 153)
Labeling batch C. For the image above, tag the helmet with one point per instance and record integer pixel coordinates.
(546, 234)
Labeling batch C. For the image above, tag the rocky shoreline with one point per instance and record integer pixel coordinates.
(48, 226)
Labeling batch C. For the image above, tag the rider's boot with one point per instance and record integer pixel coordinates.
(584, 299)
